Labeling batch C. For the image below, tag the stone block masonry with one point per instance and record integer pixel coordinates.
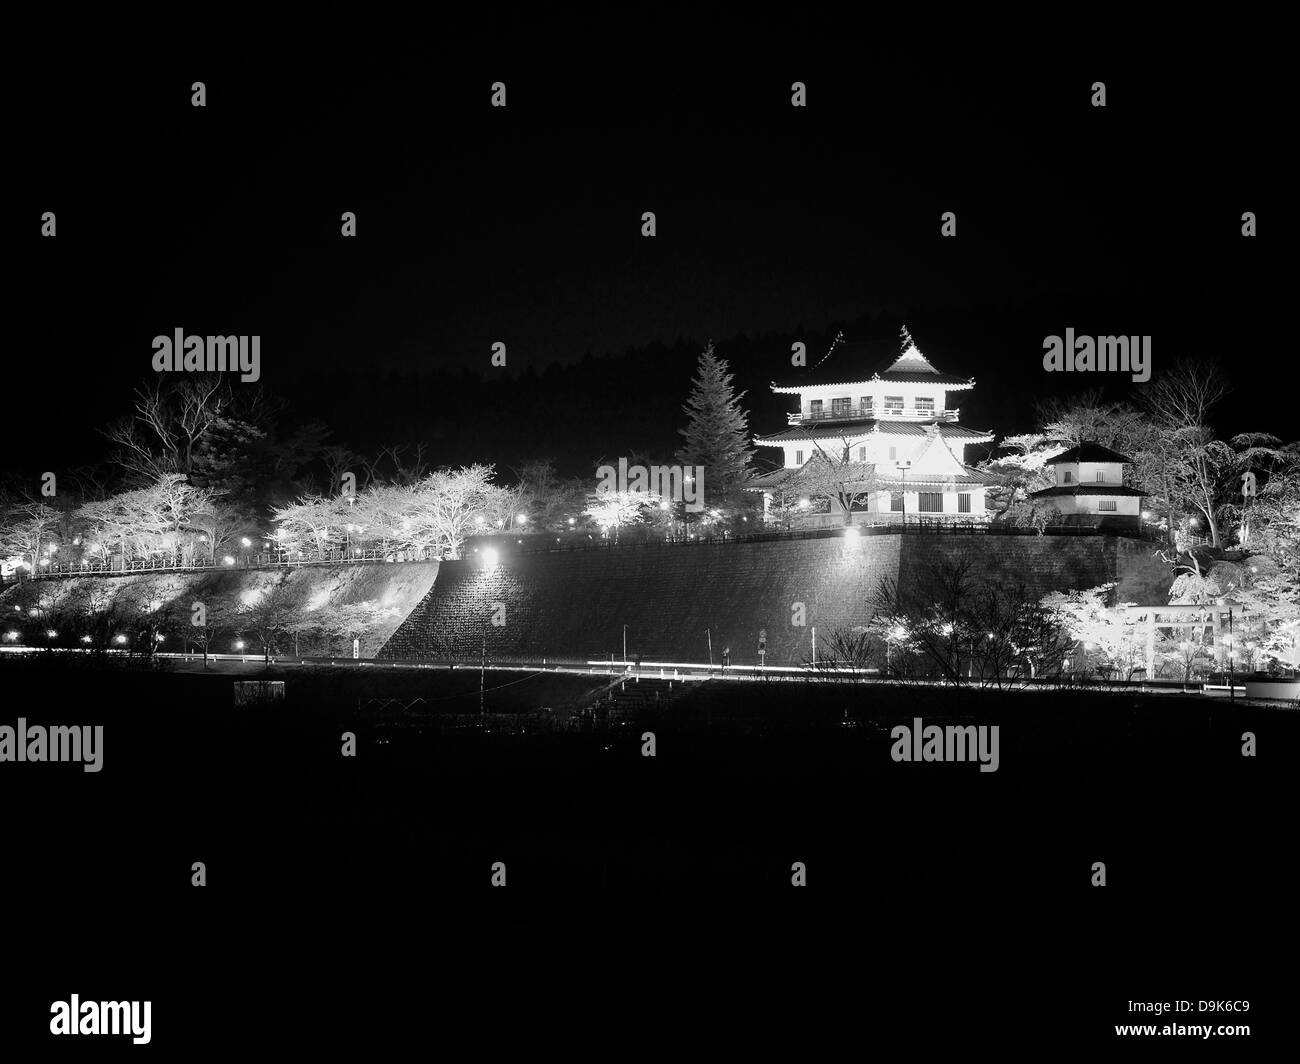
(571, 606)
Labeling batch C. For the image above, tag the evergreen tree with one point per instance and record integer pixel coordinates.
(717, 433)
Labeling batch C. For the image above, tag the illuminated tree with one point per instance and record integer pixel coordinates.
(27, 527)
(716, 435)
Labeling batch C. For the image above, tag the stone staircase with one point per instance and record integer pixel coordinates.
(628, 698)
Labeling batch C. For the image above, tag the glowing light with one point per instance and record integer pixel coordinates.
(239, 644)
(851, 534)
(11, 636)
(663, 505)
(160, 637)
(85, 639)
(803, 504)
(45, 561)
(245, 541)
(490, 558)
(52, 633)
(227, 560)
(572, 521)
(119, 639)
(522, 519)
(897, 632)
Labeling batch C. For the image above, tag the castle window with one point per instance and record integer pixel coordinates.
(798, 458)
(862, 454)
(963, 503)
(930, 502)
(815, 408)
(865, 404)
(925, 406)
(1069, 477)
(840, 407)
(893, 453)
(893, 404)
(1106, 505)
(1101, 477)
(896, 501)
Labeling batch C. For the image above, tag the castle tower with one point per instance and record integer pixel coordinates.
(1090, 489)
(883, 443)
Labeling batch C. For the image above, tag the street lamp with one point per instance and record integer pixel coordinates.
(903, 466)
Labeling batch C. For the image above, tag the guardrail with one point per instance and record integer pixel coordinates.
(545, 544)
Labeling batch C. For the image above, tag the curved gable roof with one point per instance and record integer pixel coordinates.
(866, 361)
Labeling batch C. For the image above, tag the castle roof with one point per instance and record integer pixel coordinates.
(872, 362)
(1086, 489)
(810, 433)
(1088, 452)
(882, 481)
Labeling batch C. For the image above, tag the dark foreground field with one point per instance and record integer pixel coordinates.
(930, 865)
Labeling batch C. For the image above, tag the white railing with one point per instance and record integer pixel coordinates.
(872, 413)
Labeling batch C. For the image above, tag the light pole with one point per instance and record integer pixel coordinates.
(624, 644)
(1232, 686)
(903, 467)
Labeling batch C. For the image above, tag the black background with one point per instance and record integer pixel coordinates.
(523, 225)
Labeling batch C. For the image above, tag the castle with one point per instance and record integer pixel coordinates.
(882, 444)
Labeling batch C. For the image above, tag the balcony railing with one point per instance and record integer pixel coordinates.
(858, 413)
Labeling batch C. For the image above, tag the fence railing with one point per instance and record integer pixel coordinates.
(264, 560)
(867, 413)
(546, 544)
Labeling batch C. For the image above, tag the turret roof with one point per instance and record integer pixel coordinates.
(866, 361)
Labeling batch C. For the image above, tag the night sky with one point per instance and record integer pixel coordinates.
(523, 225)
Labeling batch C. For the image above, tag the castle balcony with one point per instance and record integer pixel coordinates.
(883, 413)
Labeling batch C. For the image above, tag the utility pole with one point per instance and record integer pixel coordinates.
(814, 648)
(903, 467)
(482, 676)
(1232, 685)
(709, 632)
(624, 644)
